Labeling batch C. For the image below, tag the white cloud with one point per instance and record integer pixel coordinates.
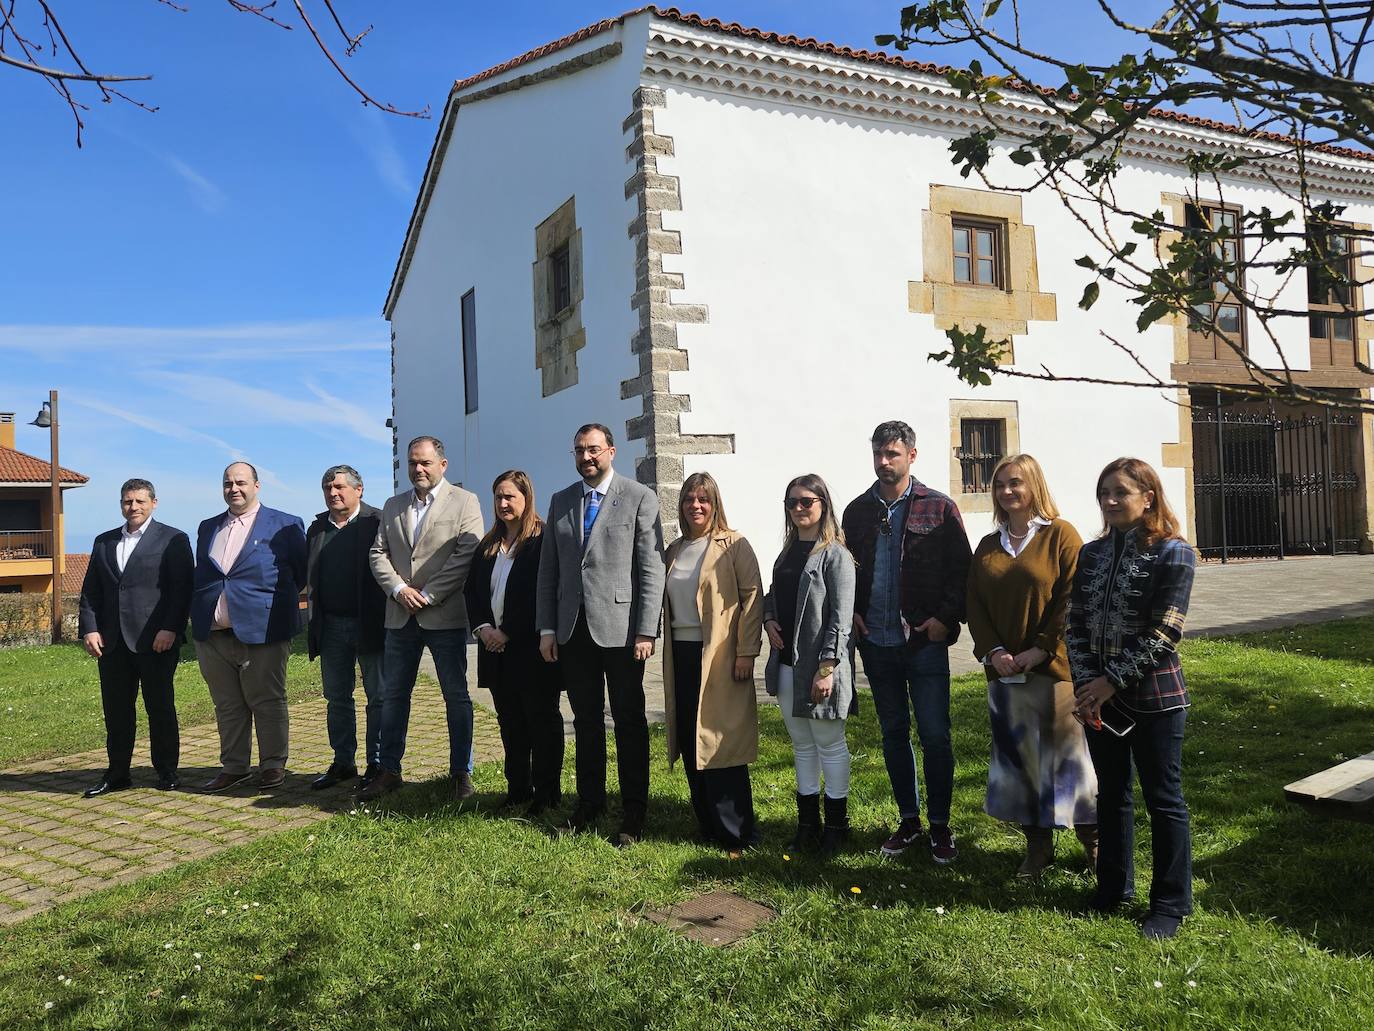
(244, 340)
(374, 136)
(269, 406)
(207, 196)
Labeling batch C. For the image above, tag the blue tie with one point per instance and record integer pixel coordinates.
(591, 507)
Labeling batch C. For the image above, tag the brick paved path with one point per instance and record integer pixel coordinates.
(56, 845)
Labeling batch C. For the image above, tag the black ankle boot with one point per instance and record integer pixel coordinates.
(808, 823)
(836, 825)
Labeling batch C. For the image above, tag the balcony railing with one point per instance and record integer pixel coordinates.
(19, 545)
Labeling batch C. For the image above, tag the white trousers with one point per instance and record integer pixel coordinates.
(817, 745)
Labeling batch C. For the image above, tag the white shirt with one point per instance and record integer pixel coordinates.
(128, 542)
(415, 514)
(1007, 542)
(351, 516)
(683, 581)
(500, 573)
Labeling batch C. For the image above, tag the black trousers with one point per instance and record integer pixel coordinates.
(590, 673)
(525, 689)
(1154, 748)
(121, 674)
(722, 799)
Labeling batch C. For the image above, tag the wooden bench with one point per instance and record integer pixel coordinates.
(1345, 791)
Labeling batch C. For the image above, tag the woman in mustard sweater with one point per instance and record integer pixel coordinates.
(1040, 775)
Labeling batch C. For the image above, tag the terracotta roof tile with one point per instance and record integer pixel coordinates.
(870, 56)
(17, 467)
(74, 571)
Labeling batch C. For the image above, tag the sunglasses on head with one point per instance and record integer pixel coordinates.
(792, 504)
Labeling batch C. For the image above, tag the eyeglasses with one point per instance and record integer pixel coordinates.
(590, 452)
(791, 504)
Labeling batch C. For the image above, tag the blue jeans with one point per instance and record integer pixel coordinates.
(400, 665)
(896, 675)
(339, 656)
(1156, 746)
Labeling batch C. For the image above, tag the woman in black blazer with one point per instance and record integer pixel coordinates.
(500, 595)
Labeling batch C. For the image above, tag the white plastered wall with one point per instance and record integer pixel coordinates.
(800, 231)
(513, 159)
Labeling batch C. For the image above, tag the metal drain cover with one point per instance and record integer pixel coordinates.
(717, 918)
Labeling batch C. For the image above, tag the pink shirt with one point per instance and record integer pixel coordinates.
(229, 541)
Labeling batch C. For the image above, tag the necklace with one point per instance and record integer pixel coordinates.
(1017, 536)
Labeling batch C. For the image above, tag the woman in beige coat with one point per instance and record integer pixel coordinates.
(712, 632)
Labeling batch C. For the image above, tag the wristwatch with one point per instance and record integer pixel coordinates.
(825, 669)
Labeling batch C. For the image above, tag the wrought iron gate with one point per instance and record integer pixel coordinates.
(1266, 485)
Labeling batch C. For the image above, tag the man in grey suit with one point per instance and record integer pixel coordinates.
(134, 603)
(600, 596)
(421, 557)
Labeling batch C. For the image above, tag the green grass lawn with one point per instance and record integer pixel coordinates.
(427, 915)
(50, 699)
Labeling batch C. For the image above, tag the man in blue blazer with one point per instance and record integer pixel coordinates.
(134, 602)
(250, 566)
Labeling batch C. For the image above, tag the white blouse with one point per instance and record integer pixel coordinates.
(683, 579)
(500, 573)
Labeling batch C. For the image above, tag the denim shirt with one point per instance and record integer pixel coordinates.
(884, 617)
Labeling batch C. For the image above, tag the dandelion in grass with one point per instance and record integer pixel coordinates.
(1159, 984)
(856, 890)
(195, 955)
(786, 858)
(939, 910)
(48, 1005)
(1192, 984)
(259, 977)
(416, 946)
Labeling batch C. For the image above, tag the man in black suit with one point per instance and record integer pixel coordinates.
(134, 604)
(347, 612)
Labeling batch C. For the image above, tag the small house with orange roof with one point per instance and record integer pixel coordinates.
(30, 552)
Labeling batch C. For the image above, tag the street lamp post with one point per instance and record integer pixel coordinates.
(47, 417)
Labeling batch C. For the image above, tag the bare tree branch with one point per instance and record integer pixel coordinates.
(22, 53)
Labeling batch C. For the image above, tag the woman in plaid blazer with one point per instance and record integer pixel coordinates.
(1126, 612)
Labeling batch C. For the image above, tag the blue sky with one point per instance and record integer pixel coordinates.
(206, 282)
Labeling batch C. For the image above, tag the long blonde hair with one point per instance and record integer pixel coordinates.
(830, 526)
(1042, 501)
(530, 523)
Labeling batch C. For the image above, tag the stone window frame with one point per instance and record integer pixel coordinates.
(961, 409)
(558, 335)
(1005, 311)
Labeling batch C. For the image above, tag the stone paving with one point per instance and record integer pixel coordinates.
(57, 845)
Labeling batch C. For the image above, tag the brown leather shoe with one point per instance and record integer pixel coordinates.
(383, 784)
(462, 787)
(224, 781)
(273, 778)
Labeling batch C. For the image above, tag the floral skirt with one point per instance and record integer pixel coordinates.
(1040, 774)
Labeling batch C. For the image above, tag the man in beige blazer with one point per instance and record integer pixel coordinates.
(424, 546)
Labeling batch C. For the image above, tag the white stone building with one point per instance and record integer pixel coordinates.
(737, 250)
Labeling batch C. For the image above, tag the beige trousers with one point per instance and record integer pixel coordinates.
(248, 686)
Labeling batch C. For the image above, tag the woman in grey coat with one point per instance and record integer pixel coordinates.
(807, 615)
